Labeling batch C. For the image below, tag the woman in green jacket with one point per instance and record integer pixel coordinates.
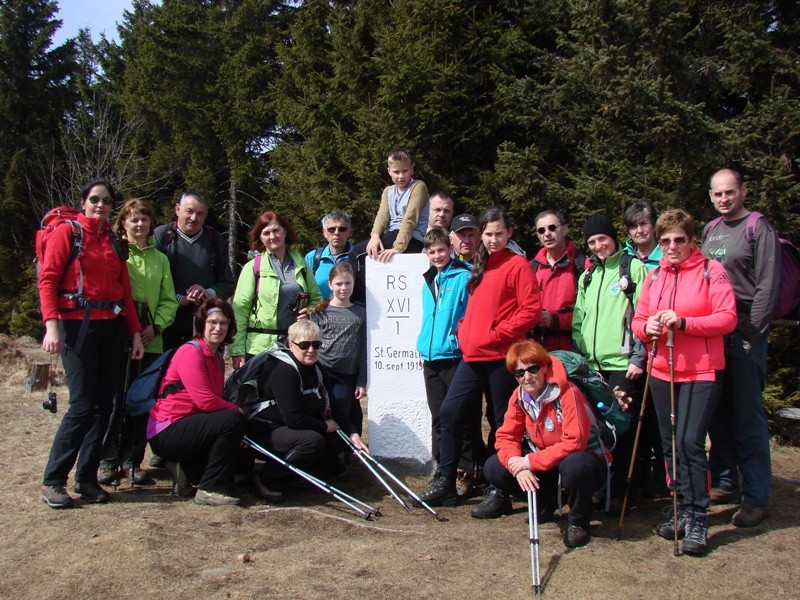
(273, 289)
(154, 297)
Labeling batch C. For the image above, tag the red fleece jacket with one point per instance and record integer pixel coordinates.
(105, 274)
(504, 306)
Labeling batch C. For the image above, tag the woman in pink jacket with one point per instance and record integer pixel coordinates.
(191, 425)
(692, 296)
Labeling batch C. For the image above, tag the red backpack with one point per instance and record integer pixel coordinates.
(789, 295)
(53, 219)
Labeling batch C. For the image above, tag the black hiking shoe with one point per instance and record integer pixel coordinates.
(667, 529)
(696, 542)
(91, 492)
(495, 503)
(576, 536)
(441, 492)
(56, 496)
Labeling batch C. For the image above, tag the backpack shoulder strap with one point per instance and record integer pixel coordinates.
(625, 271)
(750, 228)
(257, 273)
(710, 227)
(579, 265)
(317, 258)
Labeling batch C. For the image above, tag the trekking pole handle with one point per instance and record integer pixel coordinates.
(670, 337)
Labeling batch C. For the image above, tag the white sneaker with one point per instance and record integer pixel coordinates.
(214, 499)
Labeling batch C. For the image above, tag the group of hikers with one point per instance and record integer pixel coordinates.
(693, 318)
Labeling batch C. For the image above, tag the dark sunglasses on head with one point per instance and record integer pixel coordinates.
(533, 370)
(337, 229)
(551, 227)
(306, 345)
(98, 199)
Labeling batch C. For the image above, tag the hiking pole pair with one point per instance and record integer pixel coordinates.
(632, 466)
(673, 427)
(367, 458)
(341, 496)
(533, 535)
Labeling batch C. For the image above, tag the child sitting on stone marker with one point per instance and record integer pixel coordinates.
(401, 222)
(444, 300)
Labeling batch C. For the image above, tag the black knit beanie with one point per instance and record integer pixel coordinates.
(598, 224)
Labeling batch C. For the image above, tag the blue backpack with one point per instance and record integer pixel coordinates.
(143, 391)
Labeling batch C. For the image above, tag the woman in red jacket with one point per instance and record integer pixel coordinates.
(692, 296)
(504, 304)
(88, 314)
(192, 426)
(554, 414)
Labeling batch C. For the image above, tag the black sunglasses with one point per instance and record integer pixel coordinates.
(306, 345)
(551, 227)
(533, 370)
(98, 199)
(337, 229)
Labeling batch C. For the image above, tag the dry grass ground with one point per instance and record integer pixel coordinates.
(149, 544)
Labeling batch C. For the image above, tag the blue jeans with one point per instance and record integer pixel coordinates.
(739, 432)
(470, 379)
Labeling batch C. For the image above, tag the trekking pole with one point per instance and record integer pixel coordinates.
(673, 427)
(403, 486)
(533, 535)
(322, 485)
(632, 466)
(360, 454)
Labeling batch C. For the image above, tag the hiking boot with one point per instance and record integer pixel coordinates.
(157, 462)
(749, 515)
(181, 486)
(91, 492)
(264, 492)
(576, 536)
(56, 496)
(495, 503)
(720, 495)
(214, 499)
(441, 492)
(106, 476)
(463, 483)
(696, 541)
(138, 477)
(667, 529)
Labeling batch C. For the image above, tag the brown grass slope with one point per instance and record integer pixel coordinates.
(149, 544)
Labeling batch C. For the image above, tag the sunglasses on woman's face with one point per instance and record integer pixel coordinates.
(305, 345)
(97, 200)
(551, 227)
(533, 370)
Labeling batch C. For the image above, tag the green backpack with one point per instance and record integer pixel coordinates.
(611, 420)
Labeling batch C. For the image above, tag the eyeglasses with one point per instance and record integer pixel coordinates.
(336, 229)
(97, 200)
(678, 241)
(551, 227)
(533, 370)
(307, 344)
(223, 323)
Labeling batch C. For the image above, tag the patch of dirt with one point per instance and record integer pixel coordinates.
(150, 544)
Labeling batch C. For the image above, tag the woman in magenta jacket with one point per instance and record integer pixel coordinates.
(191, 425)
(504, 303)
(692, 296)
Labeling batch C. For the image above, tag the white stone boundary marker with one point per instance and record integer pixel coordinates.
(399, 419)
